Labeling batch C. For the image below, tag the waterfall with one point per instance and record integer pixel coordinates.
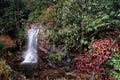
(31, 54)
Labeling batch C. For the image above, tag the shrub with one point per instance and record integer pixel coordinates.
(78, 20)
(93, 63)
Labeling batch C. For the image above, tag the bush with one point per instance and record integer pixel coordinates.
(13, 16)
(77, 21)
(93, 63)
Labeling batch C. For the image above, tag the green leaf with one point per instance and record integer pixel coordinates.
(105, 16)
(81, 41)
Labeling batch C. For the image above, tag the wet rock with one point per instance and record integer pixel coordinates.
(8, 68)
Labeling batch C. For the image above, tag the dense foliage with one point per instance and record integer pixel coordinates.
(93, 63)
(12, 16)
(87, 30)
(78, 22)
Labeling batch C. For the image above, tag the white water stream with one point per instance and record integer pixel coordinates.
(31, 54)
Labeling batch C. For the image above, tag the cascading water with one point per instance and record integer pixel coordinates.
(30, 55)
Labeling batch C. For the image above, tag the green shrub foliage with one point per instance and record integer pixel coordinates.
(78, 20)
(12, 16)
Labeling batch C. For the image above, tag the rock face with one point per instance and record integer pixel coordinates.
(7, 41)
